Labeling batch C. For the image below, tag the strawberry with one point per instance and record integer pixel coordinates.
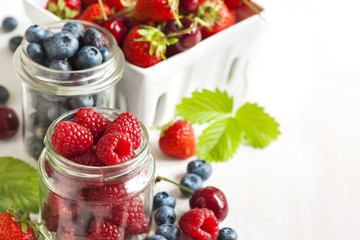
(93, 13)
(64, 9)
(14, 226)
(247, 11)
(155, 10)
(120, 5)
(178, 139)
(145, 46)
(217, 17)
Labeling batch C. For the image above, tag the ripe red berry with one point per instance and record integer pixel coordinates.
(211, 198)
(88, 159)
(178, 140)
(13, 227)
(127, 122)
(71, 139)
(62, 207)
(105, 229)
(199, 224)
(115, 148)
(117, 27)
(94, 121)
(106, 192)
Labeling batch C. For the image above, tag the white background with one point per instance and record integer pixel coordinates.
(305, 71)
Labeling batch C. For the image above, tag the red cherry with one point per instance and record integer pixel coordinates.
(188, 6)
(117, 27)
(210, 198)
(186, 40)
(9, 122)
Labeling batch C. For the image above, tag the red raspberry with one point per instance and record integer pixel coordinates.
(106, 192)
(105, 229)
(127, 122)
(88, 159)
(66, 232)
(200, 224)
(131, 215)
(115, 148)
(71, 139)
(62, 207)
(94, 121)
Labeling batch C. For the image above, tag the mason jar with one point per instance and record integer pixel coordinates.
(48, 93)
(79, 201)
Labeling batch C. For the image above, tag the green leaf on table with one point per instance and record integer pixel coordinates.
(220, 140)
(19, 183)
(205, 106)
(260, 129)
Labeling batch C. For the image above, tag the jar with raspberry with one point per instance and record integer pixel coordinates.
(63, 66)
(96, 176)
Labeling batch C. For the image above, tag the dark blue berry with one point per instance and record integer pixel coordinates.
(192, 181)
(15, 42)
(48, 34)
(35, 34)
(81, 102)
(156, 237)
(4, 95)
(35, 52)
(55, 112)
(106, 53)
(64, 45)
(87, 57)
(164, 199)
(35, 147)
(75, 28)
(59, 64)
(164, 214)
(93, 37)
(40, 131)
(46, 44)
(9, 24)
(169, 231)
(200, 167)
(227, 234)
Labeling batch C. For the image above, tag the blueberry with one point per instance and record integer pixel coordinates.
(155, 237)
(94, 38)
(106, 53)
(87, 57)
(35, 52)
(75, 28)
(35, 34)
(35, 146)
(55, 111)
(227, 234)
(164, 214)
(164, 199)
(40, 131)
(59, 64)
(81, 102)
(63, 45)
(4, 95)
(9, 24)
(191, 181)
(169, 231)
(15, 42)
(200, 167)
(46, 44)
(48, 34)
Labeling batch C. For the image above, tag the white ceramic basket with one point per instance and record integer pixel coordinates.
(152, 93)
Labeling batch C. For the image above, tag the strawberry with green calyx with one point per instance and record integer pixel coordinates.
(95, 12)
(16, 226)
(145, 45)
(155, 10)
(64, 9)
(216, 16)
(178, 139)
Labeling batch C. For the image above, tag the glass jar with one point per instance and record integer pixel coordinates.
(76, 200)
(48, 93)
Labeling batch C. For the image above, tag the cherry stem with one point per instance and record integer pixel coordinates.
(102, 10)
(159, 178)
(184, 31)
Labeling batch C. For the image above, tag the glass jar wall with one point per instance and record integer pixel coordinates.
(80, 201)
(48, 93)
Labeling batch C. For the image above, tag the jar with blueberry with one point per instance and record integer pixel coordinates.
(64, 65)
(97, 183)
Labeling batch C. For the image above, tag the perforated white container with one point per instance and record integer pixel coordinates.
(152, 93)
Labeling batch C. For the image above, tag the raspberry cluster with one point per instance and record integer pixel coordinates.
(93, 209)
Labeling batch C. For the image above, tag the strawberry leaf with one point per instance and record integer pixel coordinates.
(19, 183)
(5, 203)
(220, 140)
(259, 127)
(205, 106)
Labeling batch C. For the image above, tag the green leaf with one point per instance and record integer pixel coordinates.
(19, 182)
(5, 203)
(205, 106)
(260, 129)
(220, 140)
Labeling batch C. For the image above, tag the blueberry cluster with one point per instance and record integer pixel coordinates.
(73, 48)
